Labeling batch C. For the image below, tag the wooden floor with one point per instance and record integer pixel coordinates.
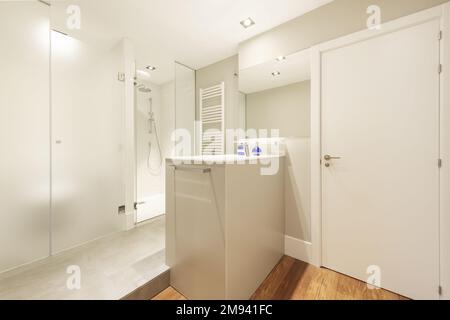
(295, 280)
(170, 294)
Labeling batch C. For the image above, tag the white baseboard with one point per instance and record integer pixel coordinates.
(298, 249)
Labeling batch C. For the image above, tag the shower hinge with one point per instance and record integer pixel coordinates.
(137, 204)
(121, 77)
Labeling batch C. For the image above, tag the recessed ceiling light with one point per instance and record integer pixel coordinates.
(151, 68)
(281, 58)
(247, 23)
(276, 73)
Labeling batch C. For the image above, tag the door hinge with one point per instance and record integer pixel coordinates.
(440, 35)
(440, 69)
(440, 163)
(440, 290)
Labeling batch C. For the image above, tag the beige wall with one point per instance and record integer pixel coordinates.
(285, 108)
(288, 109)
(226, 71)
(339, 18)
(297, 190)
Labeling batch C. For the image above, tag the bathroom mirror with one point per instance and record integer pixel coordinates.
(277, 95)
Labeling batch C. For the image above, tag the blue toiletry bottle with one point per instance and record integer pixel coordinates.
(257, 151)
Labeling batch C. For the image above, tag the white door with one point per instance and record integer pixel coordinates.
(380, 114)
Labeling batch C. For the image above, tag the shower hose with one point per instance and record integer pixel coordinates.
(152, 169)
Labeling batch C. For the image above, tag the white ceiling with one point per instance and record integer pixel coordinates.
(296, 68)
(194, 32)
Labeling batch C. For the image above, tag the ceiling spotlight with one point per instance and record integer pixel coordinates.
(276, 73)
(151, 68)
(247, 23)
(281, 58)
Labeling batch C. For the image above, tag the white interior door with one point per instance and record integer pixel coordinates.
(380, 114)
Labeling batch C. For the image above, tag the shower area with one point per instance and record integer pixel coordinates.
(149, 155)
(160, 109)
(84, 134)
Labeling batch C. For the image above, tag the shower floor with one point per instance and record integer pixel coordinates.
(110, 268)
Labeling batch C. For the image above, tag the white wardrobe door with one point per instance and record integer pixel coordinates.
(24, 132)
(380, 104)
(88, 130)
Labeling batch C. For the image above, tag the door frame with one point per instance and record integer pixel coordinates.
(441, 13)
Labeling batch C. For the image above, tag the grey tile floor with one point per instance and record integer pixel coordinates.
(110, 268)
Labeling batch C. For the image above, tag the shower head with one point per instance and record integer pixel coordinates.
(145, 90)
(142, 88)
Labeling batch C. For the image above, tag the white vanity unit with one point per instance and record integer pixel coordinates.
(225, 224)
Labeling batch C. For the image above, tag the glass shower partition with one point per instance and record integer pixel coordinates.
(185, 111)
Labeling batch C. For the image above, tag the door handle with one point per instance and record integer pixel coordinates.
(193, 169)
(329, 158)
